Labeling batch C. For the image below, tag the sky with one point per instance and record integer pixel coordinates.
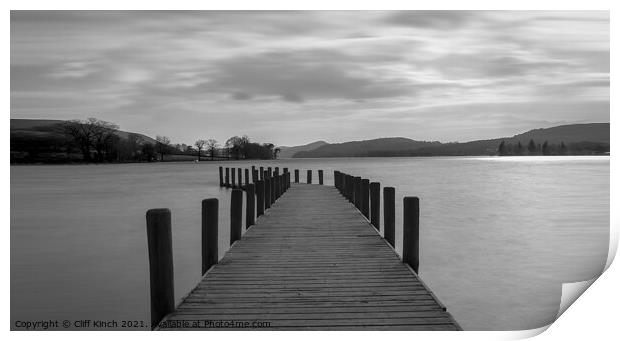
(292, 78)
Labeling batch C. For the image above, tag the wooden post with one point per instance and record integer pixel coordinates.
(357, 192)
(260, 198)
(221, 176)
(227, 177)
(364, 199)
(240, 181)
(249, 205)
(375, 205)
(388, 215)
(236, 214)
(320, 176)
(269, 171)
(288, 180)
(262, 173)
(254, 176)
(267, 191)
(296, 176)
(232, 171)
(349, 188)
(284, 170)
(253, 169)
(273, 189)
(309, 176)
(247, 176)
(336, 174)
(159, 237)
(411, 232)
(276, 170)
(209, 233)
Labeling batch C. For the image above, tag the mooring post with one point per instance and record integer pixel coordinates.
(309, 176)
(159, 237)
(411, 232)
(209, 233)
(273, 189)
(296, 176)
(221, 176)
(365, 194)
(269, 172)
(249, 205)
(337, 180)
(232, 179)
(236, 214)
(267, 191)
(320, 176)
(240, 181)
(260, 198)
(247, 176)
(253, 169)
(227, 177)
(358, 192)
(276, 171)
(262, 174)
(375, 205)
(388, 215)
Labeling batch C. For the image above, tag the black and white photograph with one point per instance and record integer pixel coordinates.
(306, 170)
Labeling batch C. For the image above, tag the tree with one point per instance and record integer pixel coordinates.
(545, 148)
(199, 145)
(563, 148)
(531, 146)
(212, 147)
(148, 152)
(237, 146)
(519, 148)
(501, 150)
(91, 134)
(163, 143)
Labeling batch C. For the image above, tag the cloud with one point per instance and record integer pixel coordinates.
(235, 72)
(431, 19)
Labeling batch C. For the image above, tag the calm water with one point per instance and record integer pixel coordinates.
(498, 235)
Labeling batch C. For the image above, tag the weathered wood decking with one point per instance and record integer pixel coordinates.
(311, 262)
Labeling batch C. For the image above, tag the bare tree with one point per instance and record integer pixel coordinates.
(91, 134)
(163, 143)
(199, 145)
(212, 147)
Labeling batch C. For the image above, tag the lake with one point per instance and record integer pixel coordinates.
(498, 236)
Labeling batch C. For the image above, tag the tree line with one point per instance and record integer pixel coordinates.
(546, 148)
(96, 141)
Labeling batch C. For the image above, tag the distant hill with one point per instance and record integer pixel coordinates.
(591, 138)
(42, 128)
(365, 148)
(288, 152)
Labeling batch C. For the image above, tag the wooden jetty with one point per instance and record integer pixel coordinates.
(312, 261)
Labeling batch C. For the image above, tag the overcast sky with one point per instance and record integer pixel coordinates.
(296, 77)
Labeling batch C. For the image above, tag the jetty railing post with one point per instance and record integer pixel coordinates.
(232, 178)
(296, 176)
(358, 192)
(249, 205)
(267, 190)
(240, 180)
(288, 180)
(411, 232)
(159, 237)
(262, 173)
(309, 176)
(269, 171)
(227, 177)
(320, 176)
(375, 205)
(388, 214)
(364, 199)
(247, 176)
(236, 213)
(260, 198)
(209, 233)
(349, 189)
(221, 176)
(253, 177)
(336, 179)
(273, 189)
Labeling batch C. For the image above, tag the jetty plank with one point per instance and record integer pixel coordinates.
(311, 262)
